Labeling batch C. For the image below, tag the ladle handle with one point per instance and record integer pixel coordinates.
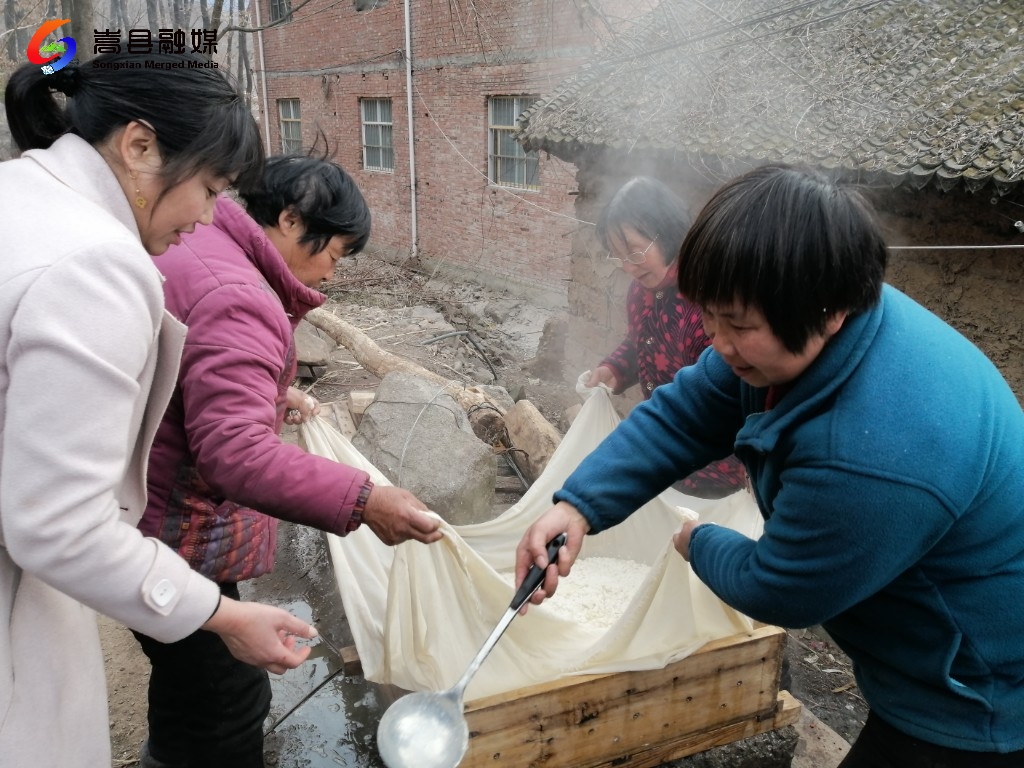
(533, 579)
(535, 576)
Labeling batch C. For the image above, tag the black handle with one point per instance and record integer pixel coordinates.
(535, 576)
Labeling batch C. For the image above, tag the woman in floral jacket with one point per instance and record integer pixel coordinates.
(643, 227)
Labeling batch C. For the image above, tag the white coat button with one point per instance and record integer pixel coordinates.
(163, 592)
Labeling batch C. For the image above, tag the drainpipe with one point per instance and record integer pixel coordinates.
(263, 77)
(412, 142)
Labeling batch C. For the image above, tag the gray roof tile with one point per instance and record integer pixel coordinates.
(919, 91)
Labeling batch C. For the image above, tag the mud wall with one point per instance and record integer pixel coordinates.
(977, 291)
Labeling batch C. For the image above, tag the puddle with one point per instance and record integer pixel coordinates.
(336, 727)
(319, 717)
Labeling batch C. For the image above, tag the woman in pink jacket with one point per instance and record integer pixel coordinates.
(220, 477)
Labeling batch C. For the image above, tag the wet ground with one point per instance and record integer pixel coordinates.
(320, 716)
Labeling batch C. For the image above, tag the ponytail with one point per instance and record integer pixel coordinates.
(35, 117)
(200, 121)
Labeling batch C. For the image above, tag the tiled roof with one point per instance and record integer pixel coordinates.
(905, 92)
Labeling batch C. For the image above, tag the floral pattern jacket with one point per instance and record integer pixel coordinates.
(664, 334)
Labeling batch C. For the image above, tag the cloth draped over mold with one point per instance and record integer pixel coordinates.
(420, 613)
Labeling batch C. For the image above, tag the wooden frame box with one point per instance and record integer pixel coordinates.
(726, 691)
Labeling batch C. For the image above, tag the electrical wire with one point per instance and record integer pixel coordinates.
(408, 438)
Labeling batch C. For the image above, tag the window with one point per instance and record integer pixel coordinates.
(369, 5)
(507, 164)
(291, 125)
(280, 9)
(378, 151)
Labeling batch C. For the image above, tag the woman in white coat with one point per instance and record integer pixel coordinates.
(110, 176)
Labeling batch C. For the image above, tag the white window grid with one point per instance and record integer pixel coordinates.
(508, 165)
(378, 149)
(291, 125)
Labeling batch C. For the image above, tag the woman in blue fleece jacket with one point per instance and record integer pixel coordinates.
(885, 451)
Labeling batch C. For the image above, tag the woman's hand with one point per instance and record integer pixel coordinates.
(602, 375)
(681, 539)
(533, 547)
(261, 635)
(300, 406)
(395, 515)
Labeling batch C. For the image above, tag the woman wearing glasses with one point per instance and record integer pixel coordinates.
(643, 227)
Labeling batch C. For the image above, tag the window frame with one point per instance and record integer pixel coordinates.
(381, 146)
(290, 144)
(279, 10)
(525, 166)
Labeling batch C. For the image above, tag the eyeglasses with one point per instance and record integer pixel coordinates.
(636, 257)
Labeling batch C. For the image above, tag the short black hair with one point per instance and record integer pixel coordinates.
(651, 208)
(790, 241)
(200, 121)
(320, 192)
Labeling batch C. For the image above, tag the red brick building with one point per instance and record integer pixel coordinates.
(480, 207)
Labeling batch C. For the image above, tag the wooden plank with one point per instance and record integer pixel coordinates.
(725, 691)
(351, 664)
(652, 755)
(358, 402)
(313, 372)
(789, 710)
(342, 418)
(509, 484)
(697, 657)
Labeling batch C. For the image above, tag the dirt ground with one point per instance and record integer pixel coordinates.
(497, 336)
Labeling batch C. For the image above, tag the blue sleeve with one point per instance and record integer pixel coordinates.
(834, 539)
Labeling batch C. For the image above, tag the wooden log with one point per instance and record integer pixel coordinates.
(534, 437)
(485, 416)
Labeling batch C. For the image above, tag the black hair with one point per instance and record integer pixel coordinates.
(200, 122)
(652, 209)
(320, 193)
(789, 241)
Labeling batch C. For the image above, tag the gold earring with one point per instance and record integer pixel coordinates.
(140, 201)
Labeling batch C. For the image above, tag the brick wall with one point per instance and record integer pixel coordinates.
(331, 55)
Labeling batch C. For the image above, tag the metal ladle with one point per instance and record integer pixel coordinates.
(428, 730)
